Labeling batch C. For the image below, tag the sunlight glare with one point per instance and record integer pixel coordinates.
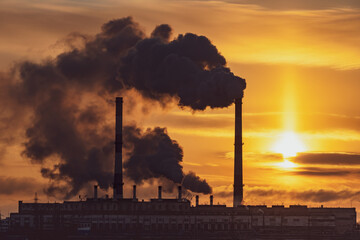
(288, 145)
(286, 164)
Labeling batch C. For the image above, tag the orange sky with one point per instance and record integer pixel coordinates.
(301, 63)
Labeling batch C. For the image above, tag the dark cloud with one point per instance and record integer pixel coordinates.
(328, 158)
(68, 133)
(325, 195)
(310, 196)
(10, 185)
(321, 172)
(153, 154)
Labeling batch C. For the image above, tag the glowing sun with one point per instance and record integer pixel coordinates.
(289, 144)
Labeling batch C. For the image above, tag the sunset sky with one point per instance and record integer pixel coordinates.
(301, 105)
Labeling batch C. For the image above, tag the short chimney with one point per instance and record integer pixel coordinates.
(180, 193)
(134, 192)
(211, 200)
(197, 200)
(95, 192)
(159, 192)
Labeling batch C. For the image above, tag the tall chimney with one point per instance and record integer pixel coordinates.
(134, 192)
(159, 192)
(179, 193)
(211, 200)
(197, 200)
(238, 161)
(95, 192)
(118, 178)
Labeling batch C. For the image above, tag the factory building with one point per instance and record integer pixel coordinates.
(168, 217)
(162, 218)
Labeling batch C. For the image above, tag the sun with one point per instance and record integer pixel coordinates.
(289, 144)
(286, 164)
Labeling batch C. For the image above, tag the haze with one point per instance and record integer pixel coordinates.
(301, 105)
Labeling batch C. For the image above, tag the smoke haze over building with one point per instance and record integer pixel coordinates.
(71, 138)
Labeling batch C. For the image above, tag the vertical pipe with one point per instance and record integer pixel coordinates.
(211, 200)
(134, 192)
(197, 200)
(238, 155)
(179, 193)
(118, 178)
(159, 192)
(95, 192)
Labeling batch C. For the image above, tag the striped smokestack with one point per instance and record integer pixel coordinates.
(238, 155)
(118, 178)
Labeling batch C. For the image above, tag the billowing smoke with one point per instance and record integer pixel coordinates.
(68, 134)
(189, 68)
(196, 184)
(73, 136)
(153, 154)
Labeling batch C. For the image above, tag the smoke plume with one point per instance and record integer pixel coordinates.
(153, 154)
(189, 68)
(68, 134)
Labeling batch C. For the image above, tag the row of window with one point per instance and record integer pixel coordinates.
(168, 227)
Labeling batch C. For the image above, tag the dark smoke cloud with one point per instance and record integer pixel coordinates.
(196, 184)
(69, 136)
(189, 68)
(163, 32)
(328, 158)
(153, 154)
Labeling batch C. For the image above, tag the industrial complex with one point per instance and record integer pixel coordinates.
(123, 217)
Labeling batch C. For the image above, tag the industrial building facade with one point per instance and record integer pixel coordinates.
(176, 217)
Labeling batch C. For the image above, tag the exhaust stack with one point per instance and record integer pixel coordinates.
(197, 200)
(179, 193)
(211, 200)
(159, 192)
(134, 192)
(95, 192)
(238, 156)
(118, 175)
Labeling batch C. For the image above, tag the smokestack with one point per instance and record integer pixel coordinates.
(197, 200)
(134, 192)
(95, 192)
(238, 162)
(118, 178)
(159, 192)
(211, 200)
(179, 192)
